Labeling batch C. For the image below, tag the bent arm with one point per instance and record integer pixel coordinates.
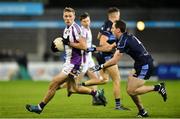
(81, 44)
(104, 45)
(106, 48)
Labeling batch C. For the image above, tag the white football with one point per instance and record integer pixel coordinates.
(59, 44)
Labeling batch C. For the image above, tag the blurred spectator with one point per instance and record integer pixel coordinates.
(22, 61)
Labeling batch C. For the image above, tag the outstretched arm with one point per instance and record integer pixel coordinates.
(114, 60)
(104, 45)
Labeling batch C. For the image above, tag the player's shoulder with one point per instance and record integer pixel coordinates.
(124, 39)
(106, 26)
(108, 23)
(127, 36)
(76, 27)
(84, 29)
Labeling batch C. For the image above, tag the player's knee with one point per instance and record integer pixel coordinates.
(130, 91)
(104, 79)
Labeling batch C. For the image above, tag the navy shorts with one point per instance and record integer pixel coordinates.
(144, 71)
(101, 58)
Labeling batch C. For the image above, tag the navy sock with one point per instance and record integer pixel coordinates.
(42, 105)
(83, 84)
(142, 111)
(93, 92)
(157, 87)
(118, 103)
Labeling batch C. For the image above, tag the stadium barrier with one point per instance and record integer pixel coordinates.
(44, 70)
(168, 71)
(37, 70)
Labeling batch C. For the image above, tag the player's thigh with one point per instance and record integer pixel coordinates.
(114, 72)
(133, 83)
(60, 77)
(58, 80)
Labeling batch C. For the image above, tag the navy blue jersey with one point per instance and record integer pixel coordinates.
(106, 30)
(130, 45)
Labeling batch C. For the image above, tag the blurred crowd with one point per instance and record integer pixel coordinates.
(20, 57)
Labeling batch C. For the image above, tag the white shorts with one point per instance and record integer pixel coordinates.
(71, 68)
(89, 64)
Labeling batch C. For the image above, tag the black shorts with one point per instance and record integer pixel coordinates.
(144, 71)
(101, 58)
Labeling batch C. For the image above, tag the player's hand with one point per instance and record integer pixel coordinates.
(97, 67)
(91, 49)
(53, 47)
(66, 41)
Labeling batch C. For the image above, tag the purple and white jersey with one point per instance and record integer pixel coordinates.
(88, 37)
(73, 55)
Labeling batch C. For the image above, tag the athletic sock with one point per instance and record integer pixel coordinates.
(157, 87)
(83, 84)
(93, 93)
(142, 111)
(117, 102)
(42, 105)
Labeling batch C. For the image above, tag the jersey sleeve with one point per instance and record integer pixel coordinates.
(84, 33)
(105, 30)
(122, 45)
(76, 32)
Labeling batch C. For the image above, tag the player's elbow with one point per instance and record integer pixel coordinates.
(108, 48)
(115, 61)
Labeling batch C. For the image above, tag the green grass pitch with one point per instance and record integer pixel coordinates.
(14, 95)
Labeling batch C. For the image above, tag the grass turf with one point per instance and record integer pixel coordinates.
(14, 95)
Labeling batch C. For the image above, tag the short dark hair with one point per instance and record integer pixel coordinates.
(112, 10)
(121, 25)
(83, 16)
(69, 9)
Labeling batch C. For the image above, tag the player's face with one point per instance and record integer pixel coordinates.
(86, 22)
(115, 16)
(114, 30)
(68, 18)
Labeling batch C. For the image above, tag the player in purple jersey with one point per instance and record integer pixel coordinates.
(74, 47)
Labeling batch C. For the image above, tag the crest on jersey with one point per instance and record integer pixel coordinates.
(102, 28)
(67, 31)
(108, 29)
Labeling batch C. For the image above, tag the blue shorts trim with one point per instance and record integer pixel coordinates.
(144, 71)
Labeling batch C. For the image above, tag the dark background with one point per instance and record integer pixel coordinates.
(163, 43)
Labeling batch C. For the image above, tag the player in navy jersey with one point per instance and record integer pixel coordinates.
(106, 38)
(143, 65)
